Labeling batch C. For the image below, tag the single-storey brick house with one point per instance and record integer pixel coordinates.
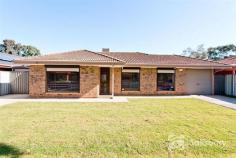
(85, 73)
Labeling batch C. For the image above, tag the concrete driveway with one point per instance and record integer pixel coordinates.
(219, 100)
(215, 99)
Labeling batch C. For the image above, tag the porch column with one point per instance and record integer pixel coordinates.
(233, 81)
(113, 82)
(212, 81)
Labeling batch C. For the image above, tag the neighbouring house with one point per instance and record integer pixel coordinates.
(85, 73)
(6, 62)
(226, 78)
(13, 77)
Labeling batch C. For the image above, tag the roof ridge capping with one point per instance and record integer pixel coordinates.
(201, 59)
(105, 55)
(73, 51)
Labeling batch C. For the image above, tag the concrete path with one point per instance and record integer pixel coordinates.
(159, 97)
(8, 99)
(219, 100)
(5, 102)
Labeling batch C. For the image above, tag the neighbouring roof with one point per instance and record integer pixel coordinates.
(229, 60)
(119, 58)
(5, 64)
(6, 60)
(8, 57)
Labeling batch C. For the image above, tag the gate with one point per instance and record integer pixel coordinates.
(19, 82)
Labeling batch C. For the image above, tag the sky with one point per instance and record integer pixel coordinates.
(151, 26)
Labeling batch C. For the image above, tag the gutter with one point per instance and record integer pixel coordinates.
(118, 63)
(180, 66)
(65, 62)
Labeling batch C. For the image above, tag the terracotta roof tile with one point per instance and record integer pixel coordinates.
(229, 60)
(119, 58)
(137, 58)
(79, 56)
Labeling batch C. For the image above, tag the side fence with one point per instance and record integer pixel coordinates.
(5, 82)
(229, 85)
(14, 82)
(219, 84)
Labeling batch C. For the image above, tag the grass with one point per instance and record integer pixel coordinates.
(139, 128)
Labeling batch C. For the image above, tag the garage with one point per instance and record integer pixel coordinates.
(199, 81)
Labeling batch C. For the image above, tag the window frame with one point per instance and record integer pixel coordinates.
(62, 67)
(132, 68)
(174, 79)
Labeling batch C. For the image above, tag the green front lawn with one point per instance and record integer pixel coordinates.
(139, 128)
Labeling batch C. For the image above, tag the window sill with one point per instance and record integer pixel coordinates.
(166, 91)
(63, 92)
(130, 90)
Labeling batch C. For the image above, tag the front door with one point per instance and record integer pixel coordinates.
(104, 81)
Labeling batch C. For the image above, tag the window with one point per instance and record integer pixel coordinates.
(63, 80)
(130, 80)
(165, 80)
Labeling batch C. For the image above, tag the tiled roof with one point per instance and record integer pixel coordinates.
(79, 56)
(6, 60)
(229, 60)
(8, 57)
(119, 58)
(137, 58)
(5, 64)
(9, 64)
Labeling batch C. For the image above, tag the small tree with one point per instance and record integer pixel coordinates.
(216, 53)
(213, 53)
(11, 47)
(2, 48)
(27, 50)
(199, 52)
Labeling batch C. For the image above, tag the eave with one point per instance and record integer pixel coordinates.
(65, 62)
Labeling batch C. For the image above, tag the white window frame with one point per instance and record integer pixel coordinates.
(166, 71)
(63, 69)
(131, 70)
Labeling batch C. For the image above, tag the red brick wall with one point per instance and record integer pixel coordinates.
(179, 84)
(148, 80)
(90, 80)
(148, 83)
(37, 78)
(117, 81)
(89, 83)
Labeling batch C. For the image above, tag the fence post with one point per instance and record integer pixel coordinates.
(233, 82)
